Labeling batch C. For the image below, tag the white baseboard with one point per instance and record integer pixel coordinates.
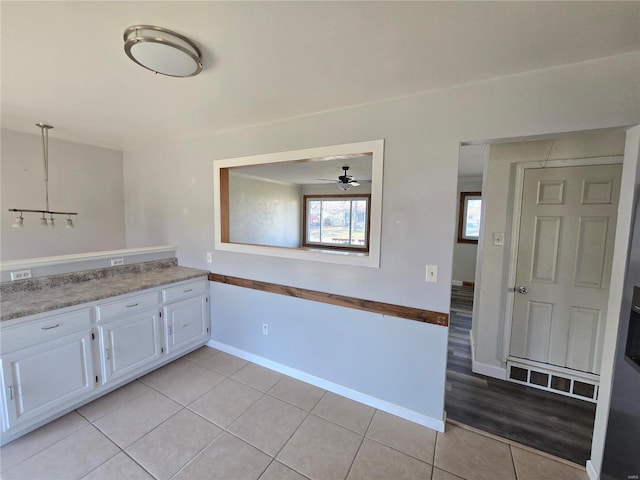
(419, 418)
(488, 370)
(591, 471)
(473, 349)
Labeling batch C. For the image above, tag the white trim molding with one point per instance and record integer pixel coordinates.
(84, 257)
(372, 259)
(591, 471)
(419, 418)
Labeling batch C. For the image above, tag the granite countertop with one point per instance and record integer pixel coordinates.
(38, 295)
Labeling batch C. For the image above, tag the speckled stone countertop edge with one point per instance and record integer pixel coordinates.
(27, 302)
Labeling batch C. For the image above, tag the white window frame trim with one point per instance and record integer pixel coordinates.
(354, 258)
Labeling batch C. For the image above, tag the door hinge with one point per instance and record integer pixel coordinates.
(97, 379)
(160, 314)
(93, 336)
(207, 329)
(161, 349)
(206, 299)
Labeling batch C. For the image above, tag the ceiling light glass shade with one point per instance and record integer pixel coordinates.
(69, 223)
(19, 223)
(51, 222)
(345, 186)
(43, 221)
(162, 51)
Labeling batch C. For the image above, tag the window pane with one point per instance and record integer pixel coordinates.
(358, 222)
(313, 221)
(472, 220)
(336, 215)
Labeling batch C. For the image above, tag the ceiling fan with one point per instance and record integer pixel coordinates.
(345, 181)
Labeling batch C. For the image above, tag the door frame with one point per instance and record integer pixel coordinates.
(518, 187)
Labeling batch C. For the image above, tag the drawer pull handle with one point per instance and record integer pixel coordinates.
(10, 392)
(49, 328)
(132, 305)
(106, 354)
(186, 325)
(187, 290)
(170, 330)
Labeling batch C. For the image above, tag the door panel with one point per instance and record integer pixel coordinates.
(545, 249)
(567, 227)
(591, 251)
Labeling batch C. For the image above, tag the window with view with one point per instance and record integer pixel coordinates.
(337, 221)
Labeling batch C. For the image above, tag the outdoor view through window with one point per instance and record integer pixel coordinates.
(337, 221)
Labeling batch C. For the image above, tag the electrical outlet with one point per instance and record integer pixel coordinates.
(265, 329)
(498, 239)
(117, 261)
(432, 273)
(209, 257)
(21, 275)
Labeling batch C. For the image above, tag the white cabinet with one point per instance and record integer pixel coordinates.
(186, 315)
(53, 362)
(51, 375)
(186, 324)
(129, 344)
(129, 331)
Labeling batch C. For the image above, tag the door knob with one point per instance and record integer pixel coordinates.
(523, 290)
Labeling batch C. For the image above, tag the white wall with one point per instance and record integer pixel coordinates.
(465, 254)
(169, 199)
(82, 178)
(489, 320)
(625, 272)
(264, 212)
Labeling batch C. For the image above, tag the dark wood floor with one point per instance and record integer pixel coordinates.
(559, 425)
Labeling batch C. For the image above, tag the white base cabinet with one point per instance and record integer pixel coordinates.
(55, 362)
(129, 344)
(46, 377)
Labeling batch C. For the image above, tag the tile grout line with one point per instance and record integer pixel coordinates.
(364, 435)
(513, 462)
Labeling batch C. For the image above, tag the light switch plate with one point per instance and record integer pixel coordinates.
(432, 273)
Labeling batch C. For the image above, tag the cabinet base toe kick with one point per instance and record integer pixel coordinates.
(53, 363)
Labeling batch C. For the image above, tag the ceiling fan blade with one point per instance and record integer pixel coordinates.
(328, 180)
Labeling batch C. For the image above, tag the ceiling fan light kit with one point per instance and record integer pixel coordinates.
(162, 51)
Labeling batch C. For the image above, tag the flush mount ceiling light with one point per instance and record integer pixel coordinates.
(162, 51)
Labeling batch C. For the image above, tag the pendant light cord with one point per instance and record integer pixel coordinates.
(45, 153)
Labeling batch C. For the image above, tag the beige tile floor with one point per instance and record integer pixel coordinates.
(210, 415)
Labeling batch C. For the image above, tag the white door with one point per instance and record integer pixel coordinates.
(565, 250)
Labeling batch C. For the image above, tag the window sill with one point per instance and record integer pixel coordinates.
(354, 258)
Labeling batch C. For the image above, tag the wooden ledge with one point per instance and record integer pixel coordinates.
(409, 313)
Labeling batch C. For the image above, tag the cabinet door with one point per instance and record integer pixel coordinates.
(186, 323)
(47, 377)
(129, 344)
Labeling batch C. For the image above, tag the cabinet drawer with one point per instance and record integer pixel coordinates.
(128, 306)
(48, 328)
(186, 290)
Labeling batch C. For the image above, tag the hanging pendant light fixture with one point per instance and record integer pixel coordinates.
(19, 223)
(162, 51)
